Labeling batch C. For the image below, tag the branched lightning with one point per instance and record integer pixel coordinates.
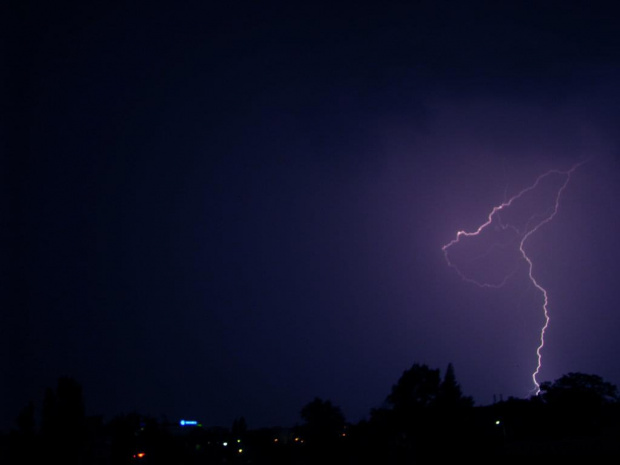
(533, 224)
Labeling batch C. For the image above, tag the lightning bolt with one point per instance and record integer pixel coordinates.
(534, 223)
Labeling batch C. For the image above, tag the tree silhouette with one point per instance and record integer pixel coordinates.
(578, 403)
(63, 421)
(324, 422)
(48, 413)
(239, 427)
(579, 390)
(25, 420)
(23, 447)
(449, 395)
(426, 413)
(418, 387)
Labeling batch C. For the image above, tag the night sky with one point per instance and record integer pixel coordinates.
(224, 209)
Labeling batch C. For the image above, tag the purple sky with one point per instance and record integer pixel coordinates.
(216, 212)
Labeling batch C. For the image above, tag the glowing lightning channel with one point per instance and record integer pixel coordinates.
(526, 234)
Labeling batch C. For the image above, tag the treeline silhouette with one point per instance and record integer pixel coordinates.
(424, 417)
